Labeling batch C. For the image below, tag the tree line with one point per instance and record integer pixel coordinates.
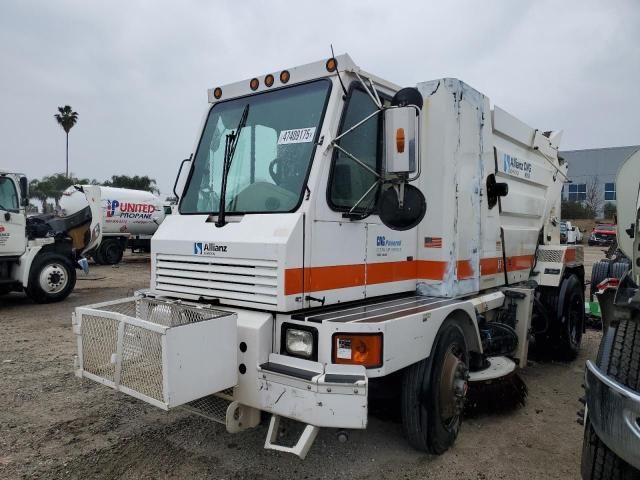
(52, 186)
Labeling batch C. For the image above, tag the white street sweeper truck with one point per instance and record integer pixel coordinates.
(39, 254)
(336, 234)
(129, 219)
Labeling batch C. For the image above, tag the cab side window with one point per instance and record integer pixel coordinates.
(8, 195)
(349, 181)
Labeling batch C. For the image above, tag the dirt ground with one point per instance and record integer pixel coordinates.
(54, 425)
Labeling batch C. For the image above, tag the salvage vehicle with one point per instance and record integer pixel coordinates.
(129, 219)
(611, 446)
(336, 233)
(39, 254)
(602, 234)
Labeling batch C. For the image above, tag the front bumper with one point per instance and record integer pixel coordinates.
(614, 412)
(313, 393)
(601, 241)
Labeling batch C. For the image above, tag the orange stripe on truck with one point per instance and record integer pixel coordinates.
(316, 279)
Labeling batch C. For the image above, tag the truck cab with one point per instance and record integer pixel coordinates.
(39, 254)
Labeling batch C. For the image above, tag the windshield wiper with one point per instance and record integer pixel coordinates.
(231, 142)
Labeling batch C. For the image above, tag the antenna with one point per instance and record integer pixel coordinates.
(338, 70)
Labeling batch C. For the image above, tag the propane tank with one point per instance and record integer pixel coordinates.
(126, 211)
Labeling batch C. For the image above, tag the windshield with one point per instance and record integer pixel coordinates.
(8, 195)
(272, 157)
(606, 228)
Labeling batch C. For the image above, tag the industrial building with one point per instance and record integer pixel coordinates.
(592, 173)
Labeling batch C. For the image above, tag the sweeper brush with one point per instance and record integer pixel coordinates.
(496, 389)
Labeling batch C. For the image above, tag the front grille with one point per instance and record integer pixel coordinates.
(550, 255)
(237, 279)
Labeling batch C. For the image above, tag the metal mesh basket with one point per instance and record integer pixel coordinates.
(145, 347)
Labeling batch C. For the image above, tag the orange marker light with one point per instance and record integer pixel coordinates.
(217, 93)
(332, 65)
(254, 83)
(400, 140)
(268, 80)
(357, 349)
(285, 76)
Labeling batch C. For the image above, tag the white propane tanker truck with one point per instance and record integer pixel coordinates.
(337, 235)
(129, 219)
(40, 254)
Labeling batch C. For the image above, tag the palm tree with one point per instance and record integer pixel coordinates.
(66, 118)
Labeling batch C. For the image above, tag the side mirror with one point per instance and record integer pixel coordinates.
(175, 184)
(401, 138)
(402, 133)
(24, 191)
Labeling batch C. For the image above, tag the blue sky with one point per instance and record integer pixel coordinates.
(138, 71)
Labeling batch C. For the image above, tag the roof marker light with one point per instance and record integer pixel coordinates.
(217, 93)
(254, 83)
(285, 76)
(268, 80)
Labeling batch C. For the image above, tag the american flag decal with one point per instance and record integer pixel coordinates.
(432, 242)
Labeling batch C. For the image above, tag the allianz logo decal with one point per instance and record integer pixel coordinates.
(208, 248)
(513, 166)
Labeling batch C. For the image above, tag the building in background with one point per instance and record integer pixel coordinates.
(592, 175)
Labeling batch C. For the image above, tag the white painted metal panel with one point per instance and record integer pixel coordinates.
(509, 126)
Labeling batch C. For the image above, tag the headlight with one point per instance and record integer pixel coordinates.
(299, 342)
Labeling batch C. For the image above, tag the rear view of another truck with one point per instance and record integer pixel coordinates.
(611, 448)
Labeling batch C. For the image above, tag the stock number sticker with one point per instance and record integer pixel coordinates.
(344, 348)
(297, 135)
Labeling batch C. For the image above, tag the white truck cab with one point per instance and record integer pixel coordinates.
(38, 254)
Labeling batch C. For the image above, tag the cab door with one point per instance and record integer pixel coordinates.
(12, 220)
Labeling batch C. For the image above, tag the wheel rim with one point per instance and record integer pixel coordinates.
(111, 253)
(453, 386)
(53, 278)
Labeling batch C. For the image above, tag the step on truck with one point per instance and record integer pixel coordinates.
(39, 254)
(611, 445)
(336, 233)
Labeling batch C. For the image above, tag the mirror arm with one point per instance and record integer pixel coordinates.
(175, 184)
(363, 165)
(333, 142)
(374, 185)
(375, 98)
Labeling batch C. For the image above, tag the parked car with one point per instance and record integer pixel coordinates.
(603, 234)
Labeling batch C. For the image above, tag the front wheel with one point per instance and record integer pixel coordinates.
(433, 393)
(51, 279)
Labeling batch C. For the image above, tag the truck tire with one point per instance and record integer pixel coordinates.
(599, 272)
(618, 269)
(51, 279)
(565, 310)
(110, 251)
(433, 392)
(621, 361)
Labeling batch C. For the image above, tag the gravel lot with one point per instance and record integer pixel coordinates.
(53, 425)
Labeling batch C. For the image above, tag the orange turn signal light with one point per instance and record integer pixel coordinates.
(357, 349)
(285, 76)
(332, 65)
(217, 93)
(268, 80)
(254, 83)
(400, 140)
